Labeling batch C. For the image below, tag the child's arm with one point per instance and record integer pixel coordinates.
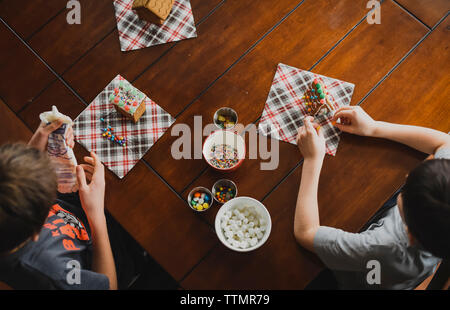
(355, 120)
(311, 143)
(92, 199)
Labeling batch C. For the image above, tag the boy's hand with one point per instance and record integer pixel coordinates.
(40, 137)
(310, 140)
(92, 195)
(355, 120)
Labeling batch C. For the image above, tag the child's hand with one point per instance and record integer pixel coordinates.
(40, 137)
(355, 120)
(92, 195)
(310, 140)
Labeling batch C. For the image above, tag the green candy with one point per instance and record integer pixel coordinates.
(112, 97)
(121, 104)
(318, 86)
(322, 96)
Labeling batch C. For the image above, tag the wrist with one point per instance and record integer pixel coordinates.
(314, 161)
(377, 128)
(96, 220)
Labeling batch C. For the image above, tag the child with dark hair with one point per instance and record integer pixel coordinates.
(409, 239)
(47, 243)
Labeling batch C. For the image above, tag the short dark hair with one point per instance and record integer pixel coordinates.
(426, 205)
(27, 191)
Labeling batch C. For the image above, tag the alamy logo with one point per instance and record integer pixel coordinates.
(74, 15)
(374, 16)
(74, 274)
(374, 274)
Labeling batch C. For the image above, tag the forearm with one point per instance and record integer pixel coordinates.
(306, 220)
(103, 260)
(420, 138)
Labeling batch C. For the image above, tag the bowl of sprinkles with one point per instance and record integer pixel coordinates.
(224, 190)
(200, 199)
(224, 150)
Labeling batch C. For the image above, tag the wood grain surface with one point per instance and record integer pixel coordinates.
(400, 68)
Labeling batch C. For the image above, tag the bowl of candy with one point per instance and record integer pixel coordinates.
(200, 199)
(224, 150)
(225, 118)
(243, 224)
(224, 190)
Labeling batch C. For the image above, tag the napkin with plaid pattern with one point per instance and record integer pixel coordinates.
(88, 129)
(285, 107)
(135, 33)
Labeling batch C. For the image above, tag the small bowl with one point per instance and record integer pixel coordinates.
(231, 205)
(202, 190)
(228, 138)
(227, 183)
(228, 113)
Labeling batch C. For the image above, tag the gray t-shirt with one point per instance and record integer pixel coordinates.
(401, 265)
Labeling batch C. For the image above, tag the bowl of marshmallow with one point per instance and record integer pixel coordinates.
(243, 224)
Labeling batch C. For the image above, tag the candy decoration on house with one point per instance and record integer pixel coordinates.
(317, 99)
(128, 101)
(153, 11)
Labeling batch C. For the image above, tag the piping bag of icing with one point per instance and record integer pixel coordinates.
(60, 153)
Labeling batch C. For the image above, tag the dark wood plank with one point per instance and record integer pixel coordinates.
(13, 129)
(355, 183)
(61, 44)
(88, 80)
(428, 11)
(26, 17)
(24, 75)
(177, 79)
(56, 94)
(163, 224)
(359, 59)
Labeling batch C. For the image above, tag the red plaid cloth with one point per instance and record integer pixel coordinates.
(285, 108)
(140, 136)
(136, 34)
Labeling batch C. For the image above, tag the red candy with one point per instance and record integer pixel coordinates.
(116, 91)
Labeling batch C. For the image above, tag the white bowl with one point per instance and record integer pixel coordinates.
(244, 201)
(227, 137)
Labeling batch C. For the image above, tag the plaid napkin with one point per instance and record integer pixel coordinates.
(140, 136)
(285, 108)
(136, 34)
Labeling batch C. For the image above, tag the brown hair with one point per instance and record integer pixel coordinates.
(27, 191)
(426, 205)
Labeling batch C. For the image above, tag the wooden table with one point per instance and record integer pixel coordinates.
(401, 72)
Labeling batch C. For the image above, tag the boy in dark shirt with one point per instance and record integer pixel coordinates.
(48, 245)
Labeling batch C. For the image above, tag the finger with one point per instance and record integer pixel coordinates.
(343, 114)
(81, 177)
(88, 168)
(346, 107)
(308, 125)
(99, 172)
(89, 160)
(344, 127)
